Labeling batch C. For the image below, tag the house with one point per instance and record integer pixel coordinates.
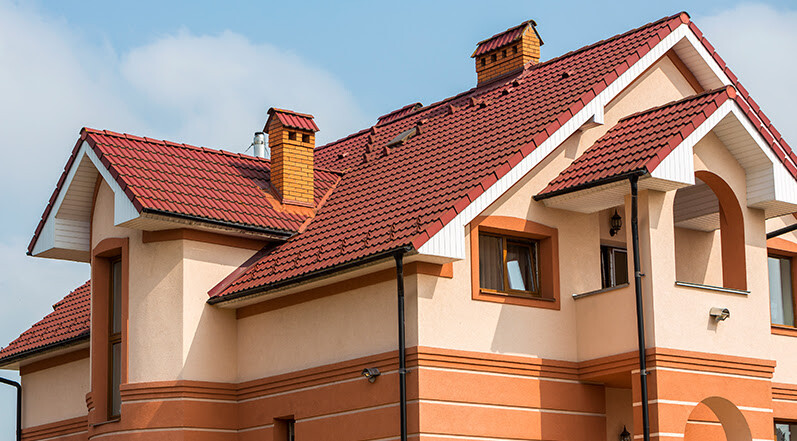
(472, 269)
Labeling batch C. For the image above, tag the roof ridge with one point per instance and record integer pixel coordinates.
(529, 68)
(166, 142)
(729, 89)
(610, 39)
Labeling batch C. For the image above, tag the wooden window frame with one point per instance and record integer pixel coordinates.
(548, 262)
(784, 249)
(533, 246)
(103, 257)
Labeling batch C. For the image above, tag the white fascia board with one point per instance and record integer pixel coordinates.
(449, 242)
(124, 210)
(679, 165)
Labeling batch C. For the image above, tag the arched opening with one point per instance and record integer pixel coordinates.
(709, 234)
(717, 419)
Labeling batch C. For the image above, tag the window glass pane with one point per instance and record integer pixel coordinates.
(785, 432)
(518, 267)
(780, 291)
(620, 266)
(116, 297)
(116, 378)
(491, 267)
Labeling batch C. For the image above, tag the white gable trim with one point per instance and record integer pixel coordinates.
(449, 242)
(65, 238)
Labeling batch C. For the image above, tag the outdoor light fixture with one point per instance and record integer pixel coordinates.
(616, 222)
(371, 374)
(719, 314)
(624, 435)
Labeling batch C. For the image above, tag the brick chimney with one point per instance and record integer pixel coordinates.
(508, 51)
(291, 139)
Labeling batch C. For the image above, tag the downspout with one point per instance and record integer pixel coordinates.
(401, 344)
(640, 318)
(19, 404)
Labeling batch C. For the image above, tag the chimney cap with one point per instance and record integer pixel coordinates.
(502, 39)
(295, 120)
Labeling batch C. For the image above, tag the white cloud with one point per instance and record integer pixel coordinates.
(759, 42)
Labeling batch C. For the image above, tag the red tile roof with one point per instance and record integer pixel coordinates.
(69, 322)
(504, 38)
(398, 197)
(399, 113)
(199, 183)
(292, 119)
(639, 142)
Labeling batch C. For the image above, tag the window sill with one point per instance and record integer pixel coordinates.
(111, 421)
(514, 299)
(599, 291)
(788, 331)
(713, 288)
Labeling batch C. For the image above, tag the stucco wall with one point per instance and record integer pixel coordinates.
(173, 333)
(340, 327)
(446, 308)
(55, 394)
(682, 314)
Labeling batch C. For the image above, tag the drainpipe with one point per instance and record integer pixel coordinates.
(640, 318)
(19, 404)
(402, 344)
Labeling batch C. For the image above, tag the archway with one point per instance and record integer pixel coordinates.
(717, 419)
(703, 213)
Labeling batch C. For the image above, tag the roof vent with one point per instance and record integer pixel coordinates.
(508, 51)
(260, 144)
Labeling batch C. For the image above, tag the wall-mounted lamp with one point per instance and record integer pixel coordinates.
(719, 314)
(371, 374)
(624, 435)
(615, 223)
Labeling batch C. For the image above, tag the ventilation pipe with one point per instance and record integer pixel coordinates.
(260, 144)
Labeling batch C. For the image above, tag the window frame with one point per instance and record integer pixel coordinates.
(107, 252)
(548, 260)
(613, 283)
(114, 338)
(533, 246)
(781, 248)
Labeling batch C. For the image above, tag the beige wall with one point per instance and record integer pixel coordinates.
(698, 256)
(619, 412)
(340, 327)
(445, 305)
(55, 394)
(173, 332)
(681, 317)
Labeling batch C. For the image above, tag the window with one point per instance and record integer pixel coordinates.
(785, 432)
(292, 136)
(514, 261)
(614, 266)
(781, 293)
(508, 265)
(305, 137)
(115, 340)
(284, 429)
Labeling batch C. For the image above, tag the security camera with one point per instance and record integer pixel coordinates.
(371, 374)
(719, 314)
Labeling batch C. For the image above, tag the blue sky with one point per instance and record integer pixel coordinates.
(206, 72)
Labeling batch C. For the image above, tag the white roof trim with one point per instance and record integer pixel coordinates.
(449, 242)
(68, 237)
